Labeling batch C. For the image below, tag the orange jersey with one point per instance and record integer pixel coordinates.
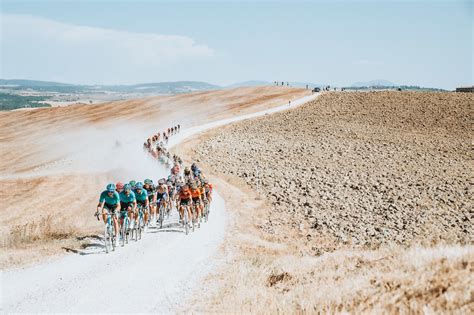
(185, 194)
(196, 193)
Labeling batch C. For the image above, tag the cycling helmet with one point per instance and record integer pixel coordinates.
(110, 187)
(206, 181)
(133, 183)
(148, 181)
(161, 181)
(127, 187)
(119, 185)
(139, 185)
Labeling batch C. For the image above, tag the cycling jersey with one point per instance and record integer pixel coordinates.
(184, 194)
(150, 191)
(127, 199)
(195, 193)
(104, 196)
(142, 196)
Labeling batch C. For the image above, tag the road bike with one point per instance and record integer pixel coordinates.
(124, 229)
(206, 210)
(161, 213)
(109, 233)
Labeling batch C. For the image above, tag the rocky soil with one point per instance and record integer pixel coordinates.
(359, 169)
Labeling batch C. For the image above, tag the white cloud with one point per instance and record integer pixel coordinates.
(37, 45)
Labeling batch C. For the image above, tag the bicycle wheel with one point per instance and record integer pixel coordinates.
(127, 230)
(140, 226)
(161, 216)
(107, 238)
(114, 239)
(185, 221)
(122, 234)
(192, 216)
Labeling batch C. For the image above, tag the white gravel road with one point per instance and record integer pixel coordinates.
(156, 274)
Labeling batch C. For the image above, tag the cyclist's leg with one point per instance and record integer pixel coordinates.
(189, 211)
(146, 210)
(104, 214)
(181, 211)
(199, 211)
(130, 213)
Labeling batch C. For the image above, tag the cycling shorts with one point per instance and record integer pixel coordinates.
(141, 203)
(185, 202)
(160, 196)
(125, 205)
(110, 208)
(196, 200)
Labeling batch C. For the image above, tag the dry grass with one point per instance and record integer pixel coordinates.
(44, 229)
(418, 280)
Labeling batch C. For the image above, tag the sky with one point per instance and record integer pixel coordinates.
(425, 43)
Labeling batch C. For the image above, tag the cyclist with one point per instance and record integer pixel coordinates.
(109, 202)
(197, 201)
(208, 190)
(187, 175)
(128, 203)
(141, 196)
(179, 128)
(171, 195)
(151, 192)
(176, 169)
(185, 201)
(161, 195)
(195, 169)
(119, 187)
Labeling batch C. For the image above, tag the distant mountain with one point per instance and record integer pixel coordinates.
(378, 82)
(31, 83)
(162, 87)
(146, 88)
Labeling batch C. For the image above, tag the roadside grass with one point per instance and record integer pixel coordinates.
(44, 229)
(390, 280)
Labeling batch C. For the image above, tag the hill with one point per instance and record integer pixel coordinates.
(152, 88)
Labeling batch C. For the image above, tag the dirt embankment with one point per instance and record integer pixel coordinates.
(370, 204)
(55, 161)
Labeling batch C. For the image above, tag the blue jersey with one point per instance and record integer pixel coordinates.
(127, 199)
(104, 196)
(142, 196)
